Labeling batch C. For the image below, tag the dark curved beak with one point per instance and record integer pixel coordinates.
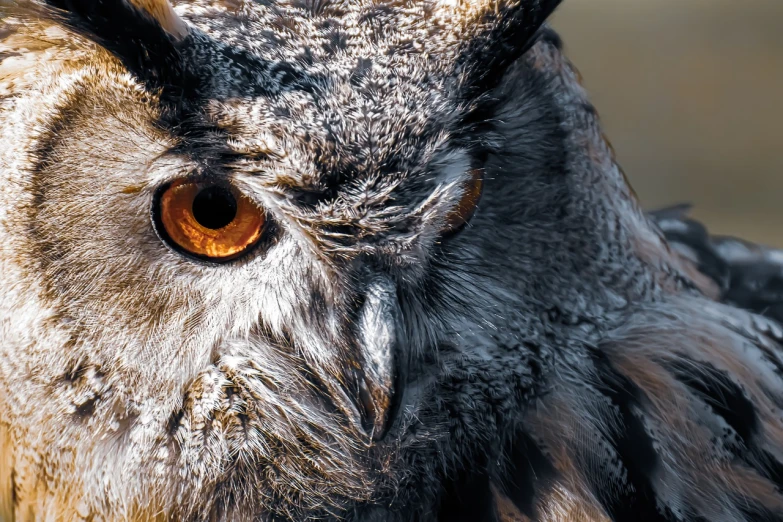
(379, 327)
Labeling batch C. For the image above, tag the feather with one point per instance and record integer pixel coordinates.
(6, 476)
(498, 33)
(673, 417)
(749, 276)
(143, 34)
(164, 14)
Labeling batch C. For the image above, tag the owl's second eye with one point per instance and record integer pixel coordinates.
(208, 221)
(461, 214)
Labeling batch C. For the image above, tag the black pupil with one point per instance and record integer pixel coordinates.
(214, 207)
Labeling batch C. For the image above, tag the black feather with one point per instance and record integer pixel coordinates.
(469, 498)
(526, 474)
(691, 239)
(749, 276)
(513, 27)
(136, 38)
(634, 501)
(724, 396)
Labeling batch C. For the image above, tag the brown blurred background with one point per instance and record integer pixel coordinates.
(691, 95)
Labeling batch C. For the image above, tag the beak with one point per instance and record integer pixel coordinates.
(380, 327)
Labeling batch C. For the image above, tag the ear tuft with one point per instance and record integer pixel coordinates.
(162, 12)
(146, 35)
(493, 35)
(102, 14)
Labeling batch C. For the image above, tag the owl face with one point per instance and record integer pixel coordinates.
(245, 241)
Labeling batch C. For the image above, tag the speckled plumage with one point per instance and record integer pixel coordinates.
(556, 360)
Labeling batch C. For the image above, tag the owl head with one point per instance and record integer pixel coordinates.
(247, 244)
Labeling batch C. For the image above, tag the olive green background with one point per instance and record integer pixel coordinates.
(691, 95)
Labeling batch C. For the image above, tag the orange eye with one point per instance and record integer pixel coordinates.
(462, 213)
(210, 221)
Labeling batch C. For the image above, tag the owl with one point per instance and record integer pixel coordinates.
(357, 260)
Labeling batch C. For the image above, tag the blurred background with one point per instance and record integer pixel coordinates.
(691, 95)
